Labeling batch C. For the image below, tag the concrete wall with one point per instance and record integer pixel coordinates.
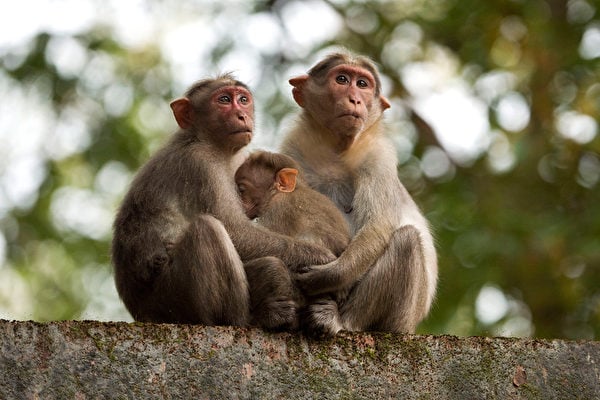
(93, 360)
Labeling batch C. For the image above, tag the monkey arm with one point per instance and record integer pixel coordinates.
(379, 204)
(362, 252)
(389, 212)
(253, 241)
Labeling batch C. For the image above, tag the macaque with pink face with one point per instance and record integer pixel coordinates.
(390, 266)
(183, 249)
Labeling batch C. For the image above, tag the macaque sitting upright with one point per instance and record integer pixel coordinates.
(183, 249)
(340, 143)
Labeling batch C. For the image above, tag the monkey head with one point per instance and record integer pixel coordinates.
(263, 176)
(221, 110)
(342, 93)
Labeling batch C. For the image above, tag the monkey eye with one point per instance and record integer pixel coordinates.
(361, 83)
(241, 188)
(244, 99)
(341, 79)
(224, 99)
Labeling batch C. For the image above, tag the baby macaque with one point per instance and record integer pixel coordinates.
(272, 190)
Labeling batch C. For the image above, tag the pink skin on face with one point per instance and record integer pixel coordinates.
(235, 114)
(235, 104)
(353, 91)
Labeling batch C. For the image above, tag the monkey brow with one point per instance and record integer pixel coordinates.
(325, 65)
(335, 59)
(212, 84)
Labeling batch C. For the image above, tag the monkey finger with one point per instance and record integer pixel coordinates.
(303, 269)
(300, 278)
(319, 255)
(308, 282)
(278, 312)
(325, 258)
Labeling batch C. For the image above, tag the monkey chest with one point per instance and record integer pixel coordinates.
(341, 193)
(334, 181)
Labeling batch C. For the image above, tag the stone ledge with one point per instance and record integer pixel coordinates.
(85, 360)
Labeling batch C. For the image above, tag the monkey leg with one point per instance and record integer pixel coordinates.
(391, 296)
(272, 294)
(206, 283)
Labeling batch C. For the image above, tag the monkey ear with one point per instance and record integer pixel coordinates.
(385, 103)
(285, 180)
(183, 112)
(298, 84)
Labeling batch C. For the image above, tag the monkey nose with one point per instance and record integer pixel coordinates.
(353, 95)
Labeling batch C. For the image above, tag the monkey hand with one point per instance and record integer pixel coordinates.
(320, 279)
(306, 253)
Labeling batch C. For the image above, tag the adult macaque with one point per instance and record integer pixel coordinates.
(390, 266)
(272, 191)
(183, 250)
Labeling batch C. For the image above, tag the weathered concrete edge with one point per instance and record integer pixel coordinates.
(86, 359)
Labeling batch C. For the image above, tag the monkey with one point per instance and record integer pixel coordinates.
(272, 192)
(183, 250)
(339, 140)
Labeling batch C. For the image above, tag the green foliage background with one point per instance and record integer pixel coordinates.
(527, 233)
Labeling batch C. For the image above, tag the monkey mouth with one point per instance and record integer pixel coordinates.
(354, 115)
(242, 131)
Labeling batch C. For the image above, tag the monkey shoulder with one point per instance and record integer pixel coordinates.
(169, 190)
(377, 157)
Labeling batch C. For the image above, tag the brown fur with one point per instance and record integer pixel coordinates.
(183, 250)
(302, 213)
(390, 266)
(294, 209)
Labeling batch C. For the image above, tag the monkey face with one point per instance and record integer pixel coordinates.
(221, 110)
(254, 186)
(345, 102)
(342, 95)
(232, 118)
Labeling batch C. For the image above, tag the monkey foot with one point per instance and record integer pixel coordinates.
(321, 318)
(277, 314)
